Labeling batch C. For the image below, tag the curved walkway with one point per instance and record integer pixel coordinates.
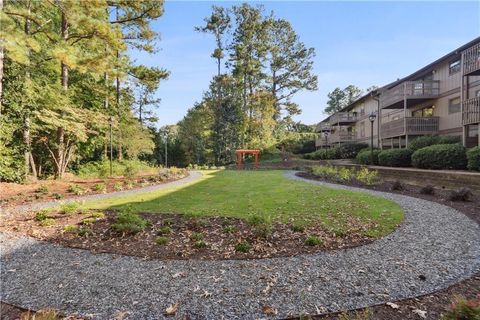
(435, 247)
(5, 211)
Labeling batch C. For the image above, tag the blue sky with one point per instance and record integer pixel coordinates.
(360, 43)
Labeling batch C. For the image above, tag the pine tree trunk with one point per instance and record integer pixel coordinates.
(61, 131)
(1, 67)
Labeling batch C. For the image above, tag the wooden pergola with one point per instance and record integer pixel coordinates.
(241, 157)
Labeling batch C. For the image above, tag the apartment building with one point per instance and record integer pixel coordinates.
(441, 98)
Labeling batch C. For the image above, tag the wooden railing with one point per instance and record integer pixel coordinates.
(343, 117)
(415, 126)
(471, 59)
(410, 90)
(322, 126)
(471, 111)
(341, 136)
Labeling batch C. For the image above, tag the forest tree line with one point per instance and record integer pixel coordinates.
(66, 78)
(261, 64)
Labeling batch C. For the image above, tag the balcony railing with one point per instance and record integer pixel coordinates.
(414, 126)
(322, 126)
(471, 111)
(341, 136)
(343, 118)
(409, 90)
(471, 60)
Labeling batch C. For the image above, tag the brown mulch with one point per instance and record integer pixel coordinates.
(435, 304)
(206, 238)
(14, 194)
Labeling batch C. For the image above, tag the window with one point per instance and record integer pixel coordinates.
(454, 105)
(454, 67)
(362, 109)
(425, 112)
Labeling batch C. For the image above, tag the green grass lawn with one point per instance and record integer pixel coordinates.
(266, 196)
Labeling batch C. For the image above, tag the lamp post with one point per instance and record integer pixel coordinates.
(326, 132)
(165, 137)
(371, 117)
(111, 144)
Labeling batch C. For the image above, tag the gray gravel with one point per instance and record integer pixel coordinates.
(435, 241)
(6, 211)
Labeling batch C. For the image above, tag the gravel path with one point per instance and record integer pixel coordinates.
(193, 175)
(435, 247)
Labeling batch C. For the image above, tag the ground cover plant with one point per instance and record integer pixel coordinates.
(225, 214)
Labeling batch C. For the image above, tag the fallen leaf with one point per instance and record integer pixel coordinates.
(171, 310)
(422, 314)
(206, 294)
(393, 305)
(268, 310)
(120, 315)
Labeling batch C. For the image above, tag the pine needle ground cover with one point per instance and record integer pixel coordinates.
(223, 215)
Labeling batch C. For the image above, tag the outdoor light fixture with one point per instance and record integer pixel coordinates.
(372, 118)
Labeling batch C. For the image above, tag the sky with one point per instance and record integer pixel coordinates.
(360, 43)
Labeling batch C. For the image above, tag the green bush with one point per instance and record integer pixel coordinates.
(473, 157)
(350, 150)
(161, 241)
(395, 158)
(128, 222)
(69, 208)
(243, 246)
(324, 154)
(313, 241)
(366, 176)
(441, 156)
(101, 169)
(426, 141)
(462, 308)
(365, 157)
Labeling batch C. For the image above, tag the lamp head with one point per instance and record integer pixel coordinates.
(372, 117)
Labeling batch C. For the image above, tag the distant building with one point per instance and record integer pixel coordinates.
(441, 98)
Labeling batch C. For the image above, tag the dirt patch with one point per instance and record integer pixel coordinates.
(175, 236)
(13, 194)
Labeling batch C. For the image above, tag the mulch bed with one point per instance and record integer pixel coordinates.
(209, 238)
(434, 304)
(13, 194)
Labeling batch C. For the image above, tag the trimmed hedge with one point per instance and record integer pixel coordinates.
(426, 141)
(350, 150)
(365, 157)
(395, 158)
(346, 151)
(442, 156)
(473, 157)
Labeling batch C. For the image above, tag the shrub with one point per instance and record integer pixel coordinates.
(324, 154)
(243, 246)
(473, 157)
(42, 215)
(313, 241)
(70, 228)
(98, 215)
(69, 208)
(428, 189)
(395, 158)
(324, 171)
(100, 187)
(263, 230)
(462, 308)
(463, 194)
(366, 176)
(345, 174)
(256, 220)
(196, 236)
(76, 189)
(164, 231)
(298, 227)
(229, 229)
(365, 157)
(200, 244)
(350, 150)
(161, 240)
(128, 222)
(47, 222)
(101, 169)
(58, 196)
(168, 222)
(42, 189)
(84, 232)
(88, 221)
(426, 141)
(118, 186)
(446, 156)
(397, 185)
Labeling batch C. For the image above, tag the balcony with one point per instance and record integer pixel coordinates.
(471, 60)
(415, 126)
(343, 118)
(471, 111)
(413, 92)
(322, 127)
(341, 137)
